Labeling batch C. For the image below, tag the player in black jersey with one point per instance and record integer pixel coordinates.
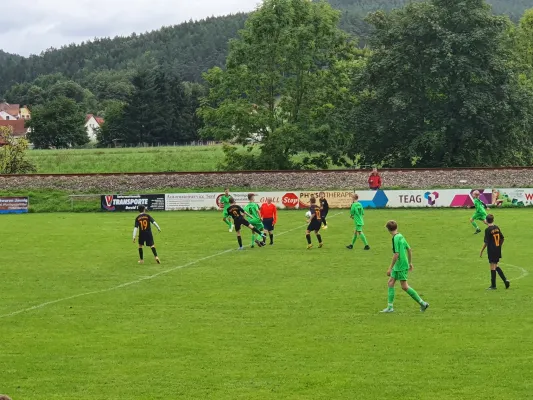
(237, 213)
(324, 208)
(315, 223)
(143, 223)
(493, 243)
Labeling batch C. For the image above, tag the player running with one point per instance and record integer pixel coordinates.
(494, 241)
(143, 223)
(237, 213)
(357, 214)
(269, 213)
(225, 203)
(481, 212)
(324, 209)
(400, 266)
(315, 223)
(252, 209)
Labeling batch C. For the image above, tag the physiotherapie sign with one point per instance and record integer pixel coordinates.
(430, 198)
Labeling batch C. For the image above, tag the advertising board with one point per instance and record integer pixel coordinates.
(117, 202)
(14, 205)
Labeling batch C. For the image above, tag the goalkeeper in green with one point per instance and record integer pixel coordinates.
(252, 209)
(357, 214)
(480, 214)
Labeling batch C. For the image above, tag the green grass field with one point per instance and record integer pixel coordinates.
(149, 159)
(82, 320)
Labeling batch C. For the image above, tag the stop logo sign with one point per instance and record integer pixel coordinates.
(290, 200)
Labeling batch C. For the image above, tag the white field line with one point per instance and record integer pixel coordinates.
(134, 282)
(524, 271)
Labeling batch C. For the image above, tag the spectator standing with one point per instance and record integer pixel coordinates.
(4, 397)
(374, 180)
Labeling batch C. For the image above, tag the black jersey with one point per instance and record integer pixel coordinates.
(324, 206)
(494, 240)
(314, 209)
(144, 223)
(236, 212)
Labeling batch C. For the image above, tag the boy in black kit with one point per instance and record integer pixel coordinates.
(315, 223)
(324, 208)
(143, 223)
(493, 242)
(237, 213)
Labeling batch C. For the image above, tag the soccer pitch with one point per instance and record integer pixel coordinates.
(82, 320)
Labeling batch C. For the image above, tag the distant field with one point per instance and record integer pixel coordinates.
(150, 159)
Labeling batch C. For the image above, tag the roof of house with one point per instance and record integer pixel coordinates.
(99, 120)
(18, 126)
(11, 109)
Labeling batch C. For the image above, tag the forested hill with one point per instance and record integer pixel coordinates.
(188, 49)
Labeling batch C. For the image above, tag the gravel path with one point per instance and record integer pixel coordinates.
(341, 180)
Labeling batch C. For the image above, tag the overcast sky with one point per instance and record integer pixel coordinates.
(36, 25)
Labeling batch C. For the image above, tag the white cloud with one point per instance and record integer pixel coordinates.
(54, 23)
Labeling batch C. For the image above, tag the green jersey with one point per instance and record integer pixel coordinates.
(357, 212)
(400, 247)
(225, 201)
(253, 210)
(480, 207)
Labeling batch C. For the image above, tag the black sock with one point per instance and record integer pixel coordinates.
(239, 239)
(140, 253)
(502, 275)
(492, 278)
(308, 237)
(271, 238)
(319, 238)
(324, 221)
(255, 230)
(154, 251)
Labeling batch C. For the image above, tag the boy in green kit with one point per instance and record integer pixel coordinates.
(357, 213)
(252, 209)
(400, 266)
(225, 203)
(480, 214)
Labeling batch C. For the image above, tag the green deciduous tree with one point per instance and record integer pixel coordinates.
(439, 89)
(58, 124)
(272, 91)
(13, 154)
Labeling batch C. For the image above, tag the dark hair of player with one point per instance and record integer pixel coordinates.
(392, 226)
(250, 195)
(312, 200)
(142, 209)
(231, 200)
(356, 196)
(490, 218)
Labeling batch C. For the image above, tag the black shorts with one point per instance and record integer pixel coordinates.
(268, 224)
(240, 222)
(315, 225)
(146, 239)
(494, 257)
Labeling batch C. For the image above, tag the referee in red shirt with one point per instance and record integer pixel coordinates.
(269, 215)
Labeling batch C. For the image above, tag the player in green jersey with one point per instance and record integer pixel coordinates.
(225, 203)
(252, 209)
(400, 266)
(481, 212)
(357, 214)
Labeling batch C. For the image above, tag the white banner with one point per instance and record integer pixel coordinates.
(370, 199)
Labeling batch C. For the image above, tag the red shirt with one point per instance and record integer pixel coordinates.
(374, 181)
(269, 211)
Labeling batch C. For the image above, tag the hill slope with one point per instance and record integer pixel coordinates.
(189, 48)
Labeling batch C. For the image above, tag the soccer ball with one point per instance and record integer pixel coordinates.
(308, 214)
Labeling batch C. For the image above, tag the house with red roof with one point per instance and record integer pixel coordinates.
(92, 124)
(17, 126)
(12, 110)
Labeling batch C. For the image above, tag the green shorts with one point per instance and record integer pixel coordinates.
(358, 228)
(257, 224)
(399, 275)
(479, 217)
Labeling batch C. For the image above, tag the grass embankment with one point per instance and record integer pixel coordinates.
(150, 159)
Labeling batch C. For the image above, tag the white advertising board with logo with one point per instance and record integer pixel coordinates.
(515, 197)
